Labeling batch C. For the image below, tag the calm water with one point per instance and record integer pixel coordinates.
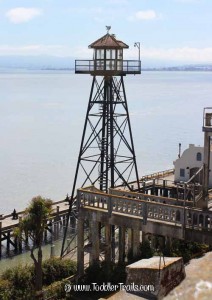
(13, 259)
(42, 115)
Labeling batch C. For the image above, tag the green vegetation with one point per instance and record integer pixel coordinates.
(104, 272)
(57, 289)
(17, 283)
(187, 250)
(33, 226)
(55, 269)
(100, 274)
(145, 251)
(20, 284)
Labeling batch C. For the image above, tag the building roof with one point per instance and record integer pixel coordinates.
(108, 41)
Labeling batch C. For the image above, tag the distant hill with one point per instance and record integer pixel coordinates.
(182, 68)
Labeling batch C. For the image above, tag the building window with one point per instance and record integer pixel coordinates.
(199, 156)
(182, 172)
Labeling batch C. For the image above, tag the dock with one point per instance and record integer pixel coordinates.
(8, 223)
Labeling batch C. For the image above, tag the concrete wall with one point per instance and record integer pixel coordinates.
(153, 272)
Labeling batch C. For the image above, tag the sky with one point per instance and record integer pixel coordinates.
(168, 30)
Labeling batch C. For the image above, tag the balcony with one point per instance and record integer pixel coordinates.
(108, 67)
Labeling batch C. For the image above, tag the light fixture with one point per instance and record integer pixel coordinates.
(138, 45)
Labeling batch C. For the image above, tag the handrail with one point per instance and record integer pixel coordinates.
(3, 216)
(146, 209)
(157, 174)
(108, 65)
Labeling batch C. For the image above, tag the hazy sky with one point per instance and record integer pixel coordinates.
(178, 30)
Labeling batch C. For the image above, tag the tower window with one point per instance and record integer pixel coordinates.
(182, 172)
(199, 156)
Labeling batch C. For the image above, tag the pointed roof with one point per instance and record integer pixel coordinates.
(108, 41)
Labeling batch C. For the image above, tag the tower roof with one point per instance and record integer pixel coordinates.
(108, 41)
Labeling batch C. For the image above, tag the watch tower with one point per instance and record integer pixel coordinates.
(107, 156)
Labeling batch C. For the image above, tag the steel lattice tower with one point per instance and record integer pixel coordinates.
(107, 156)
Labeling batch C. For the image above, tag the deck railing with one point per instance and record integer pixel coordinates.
(157, 175)
(147, 209)
(108, 65)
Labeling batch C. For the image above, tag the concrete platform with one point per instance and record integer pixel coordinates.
(152, 282)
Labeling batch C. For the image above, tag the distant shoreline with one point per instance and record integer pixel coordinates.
(167, 69)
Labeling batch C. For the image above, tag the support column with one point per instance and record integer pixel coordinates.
(80, 247)
(94, 255)
(135, 242)
(168, 243)
(153, 241)
(73, 223)
(166, 193)
(144, 237)
(121, 244)
(113, 243)
(129, 239)
(64, 220)
(19, 239)
(144, 188)
(108, 243)
(8, 242)
(58, 212)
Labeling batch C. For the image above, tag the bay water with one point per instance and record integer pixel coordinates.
(41, 121)
(42, 116)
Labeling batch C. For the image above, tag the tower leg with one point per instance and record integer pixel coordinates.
(107, 156)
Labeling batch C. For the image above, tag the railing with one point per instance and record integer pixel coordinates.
(147, 210)
(153, 198)
(207, 117)
(157, 175)
(108, 65)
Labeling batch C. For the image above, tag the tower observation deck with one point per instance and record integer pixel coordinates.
(108, 59)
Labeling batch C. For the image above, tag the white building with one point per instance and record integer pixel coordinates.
(189, 163)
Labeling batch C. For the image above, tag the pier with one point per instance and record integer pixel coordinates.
(8, 223)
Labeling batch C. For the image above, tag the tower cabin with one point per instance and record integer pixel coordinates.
(108, 59)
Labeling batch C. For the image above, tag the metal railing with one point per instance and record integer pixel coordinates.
(108, 65)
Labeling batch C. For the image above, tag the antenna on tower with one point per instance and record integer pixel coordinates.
(108, 28)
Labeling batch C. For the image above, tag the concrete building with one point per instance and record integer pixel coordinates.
(189, 163)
